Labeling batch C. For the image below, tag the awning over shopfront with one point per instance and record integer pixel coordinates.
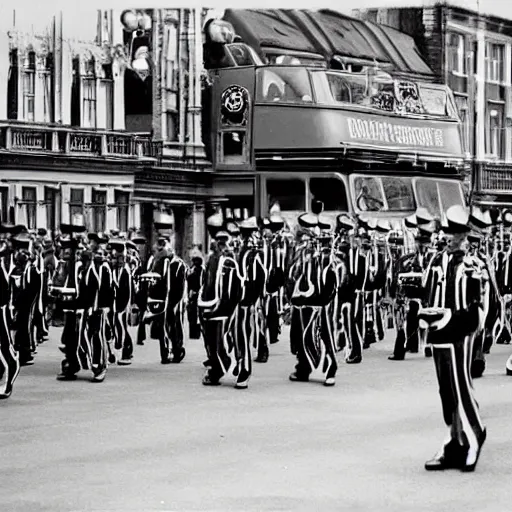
(327, 33)
(177, 186)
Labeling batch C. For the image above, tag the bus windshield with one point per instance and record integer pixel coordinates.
(406, 194)
(438, 195)
(384, 194)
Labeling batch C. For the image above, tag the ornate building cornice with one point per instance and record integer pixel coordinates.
(43, 44)
(25, 42)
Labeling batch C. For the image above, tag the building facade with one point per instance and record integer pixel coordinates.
(472, 54)
(108, 128)
(318, 105)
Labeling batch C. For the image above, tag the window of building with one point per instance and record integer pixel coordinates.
(76, 204)
(4, 204)
(238, 208)
(47, 82)
(474, 54)
(75, 93)
(495, 130)
(12, 86)
(107, 84)
(29, 202)
(123, 207)
(29, 86)
(99, 205)
(463, 110)
(173, 126)
(89, 96)
(457, 53)
(494, 62)
(50, 200)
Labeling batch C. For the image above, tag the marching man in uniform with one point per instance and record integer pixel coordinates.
(65, 287)
(455, 313)
(123, 297)
(166, 295)
(194, 280)
(220, 295)
(9, 360)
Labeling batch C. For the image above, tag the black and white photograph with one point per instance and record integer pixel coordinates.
(256, 257)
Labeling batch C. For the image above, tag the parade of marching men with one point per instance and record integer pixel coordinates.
(340, 288)
(266, 249)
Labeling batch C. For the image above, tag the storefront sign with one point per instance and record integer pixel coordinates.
(397, 134)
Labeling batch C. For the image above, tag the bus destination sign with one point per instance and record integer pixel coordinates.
(397, 134)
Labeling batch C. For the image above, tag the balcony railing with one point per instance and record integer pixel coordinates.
(493, 179)
(31, 138)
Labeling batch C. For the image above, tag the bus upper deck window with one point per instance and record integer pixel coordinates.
(331, 191)
(284, 84)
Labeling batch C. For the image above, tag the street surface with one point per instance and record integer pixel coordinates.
(153, 438)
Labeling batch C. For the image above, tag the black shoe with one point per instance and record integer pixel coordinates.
(261, 359)
(5, 396)
(66, 376)
(141, 343)
(297, 377)
(355, 360)
(167, 360)
(396, 358)
(477, 368)
(207, 363)
(441, 463)
(262, 356)
(178, 358)
(453, 457)
(428, 351)
(27, 362)
(100, 376)
(209, 381)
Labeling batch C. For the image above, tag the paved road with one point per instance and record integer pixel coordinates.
(152, 438)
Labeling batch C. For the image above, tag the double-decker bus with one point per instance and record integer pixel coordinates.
(285, 134)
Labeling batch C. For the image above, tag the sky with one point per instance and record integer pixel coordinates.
(35, 15)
